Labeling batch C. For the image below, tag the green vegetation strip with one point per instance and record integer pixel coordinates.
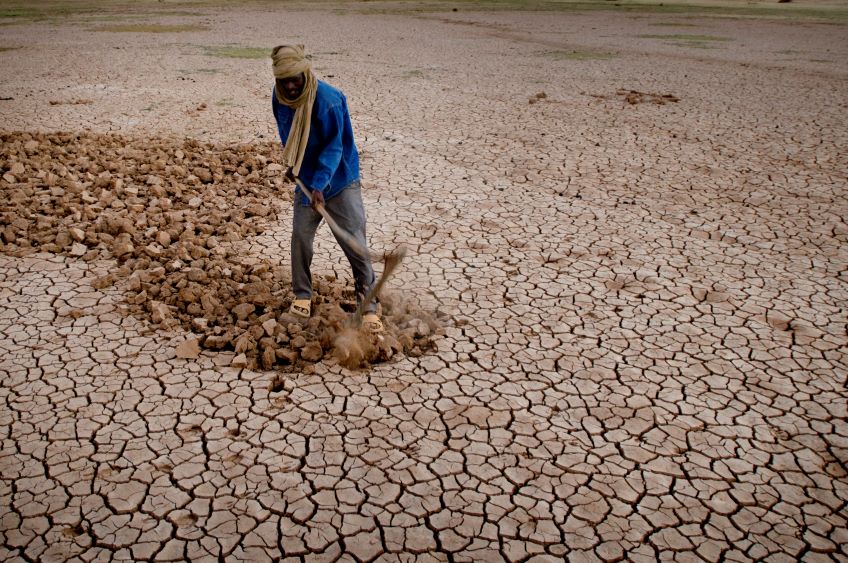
(19, 11)
(688, 41)
(234, 52)
(684, 37)
(28, 10)
(793, 11)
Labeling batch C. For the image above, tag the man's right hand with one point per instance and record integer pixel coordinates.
(317, 198)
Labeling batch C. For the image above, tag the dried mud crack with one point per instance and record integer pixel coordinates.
(172, 213)
(648, 355)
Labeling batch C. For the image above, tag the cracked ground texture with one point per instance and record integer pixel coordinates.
(645, 347)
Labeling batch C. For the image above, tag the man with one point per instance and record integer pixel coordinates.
(315, 129)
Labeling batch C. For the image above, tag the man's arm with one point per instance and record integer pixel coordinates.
(330, 155)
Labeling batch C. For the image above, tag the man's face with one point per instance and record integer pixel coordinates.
(292, 86)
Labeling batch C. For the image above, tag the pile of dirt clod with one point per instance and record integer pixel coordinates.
(172, 213)
(634, 97)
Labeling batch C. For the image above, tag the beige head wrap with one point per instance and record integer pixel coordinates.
(288, 61)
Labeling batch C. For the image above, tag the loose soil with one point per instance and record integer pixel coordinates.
(171, 213)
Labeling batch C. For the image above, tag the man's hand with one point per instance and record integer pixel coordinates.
(317, 198)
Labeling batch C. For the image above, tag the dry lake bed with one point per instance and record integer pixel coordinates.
(619, 332)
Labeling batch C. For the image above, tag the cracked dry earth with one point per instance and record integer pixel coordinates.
(638, 242)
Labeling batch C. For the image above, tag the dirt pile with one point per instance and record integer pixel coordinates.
(171, 213)
(634, 97)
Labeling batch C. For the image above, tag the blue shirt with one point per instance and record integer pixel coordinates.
(330, 162)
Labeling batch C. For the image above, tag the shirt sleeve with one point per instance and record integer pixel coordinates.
(330, 155)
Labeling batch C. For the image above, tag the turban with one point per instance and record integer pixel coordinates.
(288, 61)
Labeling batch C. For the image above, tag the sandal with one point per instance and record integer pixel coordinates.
(301, 308)
(372, 323)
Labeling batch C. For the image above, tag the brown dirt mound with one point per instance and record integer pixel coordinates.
(169, 211)
(634, 97)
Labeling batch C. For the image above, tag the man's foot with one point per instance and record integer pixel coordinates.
(301, 308)
(372, 323)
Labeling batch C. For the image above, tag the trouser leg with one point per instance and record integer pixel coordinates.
(349, 212)
(304, 224)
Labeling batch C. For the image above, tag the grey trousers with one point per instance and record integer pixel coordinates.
(347, 210)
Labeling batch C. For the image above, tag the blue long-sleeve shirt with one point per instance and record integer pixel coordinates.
(330, 162)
